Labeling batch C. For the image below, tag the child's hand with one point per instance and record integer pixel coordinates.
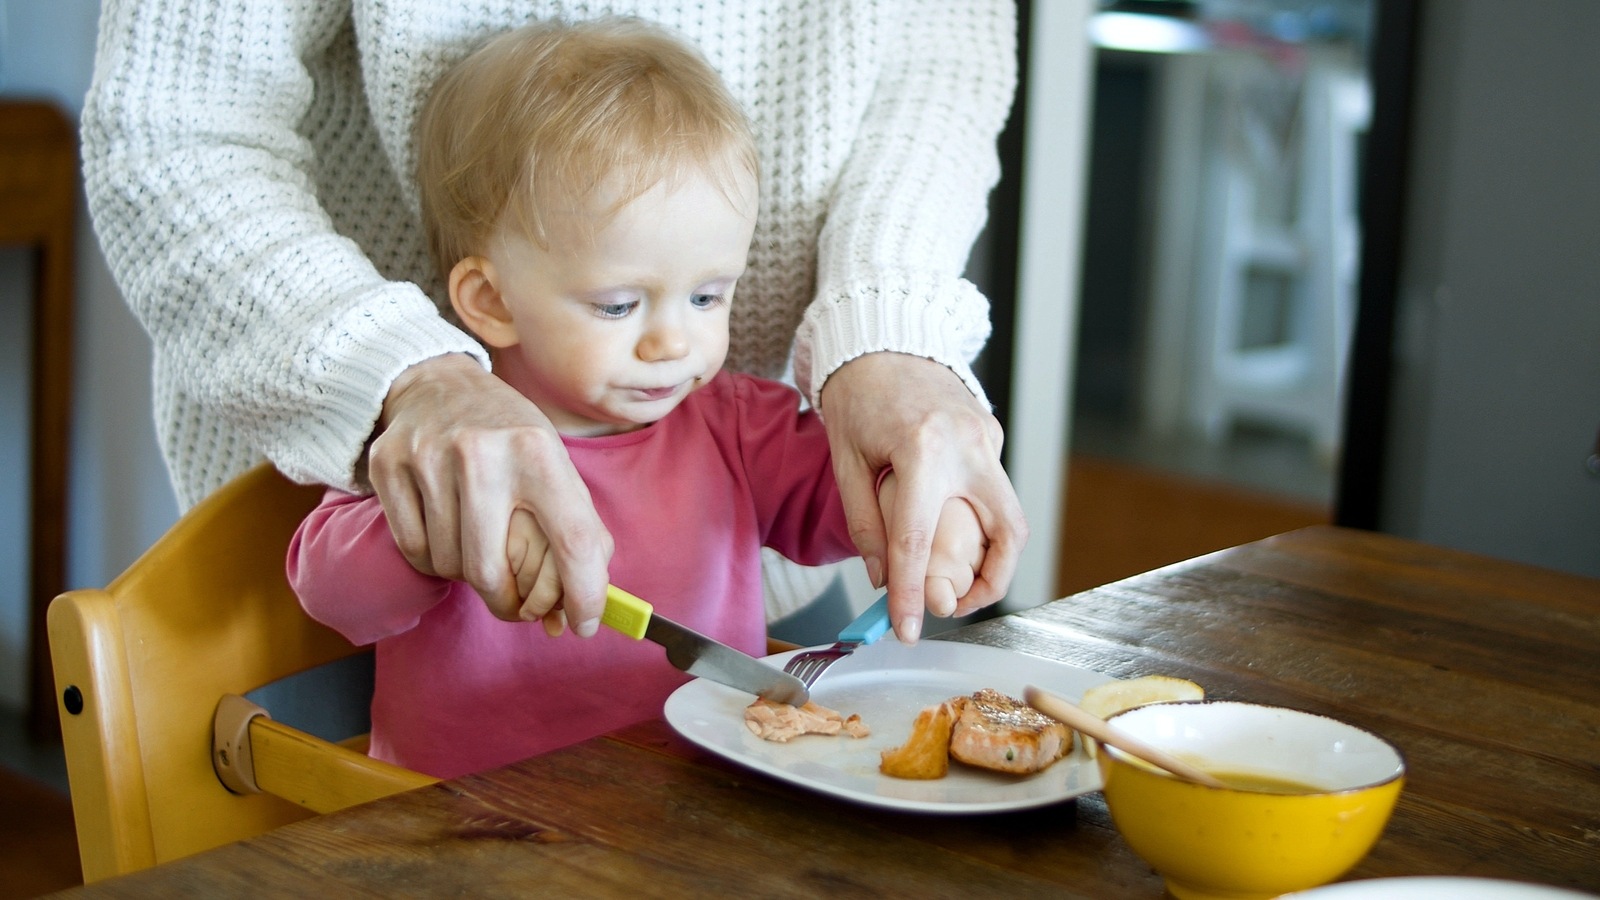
(538, 582)
(955, 556)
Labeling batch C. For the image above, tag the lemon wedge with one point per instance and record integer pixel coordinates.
(1106, 700)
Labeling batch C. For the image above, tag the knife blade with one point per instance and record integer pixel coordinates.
(698, 655)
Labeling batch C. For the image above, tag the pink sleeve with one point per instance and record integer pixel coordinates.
(786, 459)
(349, 574)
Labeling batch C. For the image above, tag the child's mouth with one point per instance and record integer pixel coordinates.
(661, 393)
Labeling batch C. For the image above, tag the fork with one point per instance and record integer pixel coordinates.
(867, 627)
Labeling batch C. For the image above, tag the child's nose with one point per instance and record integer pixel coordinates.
(666, 338)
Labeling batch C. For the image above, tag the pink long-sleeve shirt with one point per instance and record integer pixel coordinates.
(689, 501)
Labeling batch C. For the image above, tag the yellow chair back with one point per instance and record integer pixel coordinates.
(140, 668)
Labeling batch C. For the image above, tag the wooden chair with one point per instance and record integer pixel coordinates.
(142, 667)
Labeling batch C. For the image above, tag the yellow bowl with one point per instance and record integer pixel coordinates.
(1250, 842)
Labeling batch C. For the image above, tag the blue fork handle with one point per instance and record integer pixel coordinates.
(870, 625)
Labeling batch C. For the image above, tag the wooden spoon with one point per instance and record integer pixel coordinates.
(1104, 732)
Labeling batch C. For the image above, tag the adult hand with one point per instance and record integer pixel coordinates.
(914, 414)
(459, 451)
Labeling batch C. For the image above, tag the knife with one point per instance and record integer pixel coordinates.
(697, 654)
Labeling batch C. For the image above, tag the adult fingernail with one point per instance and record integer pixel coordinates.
(875, 571)
(586, 628)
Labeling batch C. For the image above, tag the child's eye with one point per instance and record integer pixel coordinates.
(705, 301)
(615, 310)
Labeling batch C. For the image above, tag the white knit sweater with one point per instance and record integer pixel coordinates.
(248, 169)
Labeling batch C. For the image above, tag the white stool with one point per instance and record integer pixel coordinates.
(1269, 235)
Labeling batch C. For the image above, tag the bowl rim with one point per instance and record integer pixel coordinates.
(1401, 769)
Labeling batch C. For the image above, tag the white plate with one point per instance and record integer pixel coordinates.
(887, 683)
(1429, 888)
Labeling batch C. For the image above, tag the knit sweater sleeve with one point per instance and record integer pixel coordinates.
(203, 185)
(913, 195)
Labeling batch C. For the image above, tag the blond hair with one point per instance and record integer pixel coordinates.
(540, 119)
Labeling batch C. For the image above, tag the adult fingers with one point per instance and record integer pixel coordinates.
(403, 510)
(911, 528)
(857, 479)
(581, 550)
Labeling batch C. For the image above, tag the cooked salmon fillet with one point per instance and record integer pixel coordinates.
(781, 722)
(999, 732)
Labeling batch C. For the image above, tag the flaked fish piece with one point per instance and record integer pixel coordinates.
(782, 722)
(999, 732)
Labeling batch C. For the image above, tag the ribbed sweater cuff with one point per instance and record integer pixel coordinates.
(942, 319)
(377, 343)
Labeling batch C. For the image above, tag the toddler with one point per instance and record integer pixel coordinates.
(589, 192)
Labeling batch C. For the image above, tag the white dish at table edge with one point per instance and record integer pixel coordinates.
(887, 684)
(1424, 887)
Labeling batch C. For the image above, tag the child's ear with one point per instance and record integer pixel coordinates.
(477, 300)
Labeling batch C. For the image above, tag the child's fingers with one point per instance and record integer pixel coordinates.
(527, 577)
(528, 551)
(544, 591)
(949, 579)
(554, 623)
(955, 560)
(939, 595)
(525, 545)
(548, 589)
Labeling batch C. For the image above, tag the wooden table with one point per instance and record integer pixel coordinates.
(1482, 671)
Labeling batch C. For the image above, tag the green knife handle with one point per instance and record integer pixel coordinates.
(625, 612)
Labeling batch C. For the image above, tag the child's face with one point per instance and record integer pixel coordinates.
(613, 331)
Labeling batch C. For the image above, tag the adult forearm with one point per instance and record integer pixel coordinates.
(205, 198)
(914, 196)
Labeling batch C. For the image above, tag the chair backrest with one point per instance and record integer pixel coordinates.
(140, 667)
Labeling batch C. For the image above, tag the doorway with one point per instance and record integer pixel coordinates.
(1218, 279)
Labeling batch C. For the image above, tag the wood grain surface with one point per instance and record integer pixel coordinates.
(1481, 671)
